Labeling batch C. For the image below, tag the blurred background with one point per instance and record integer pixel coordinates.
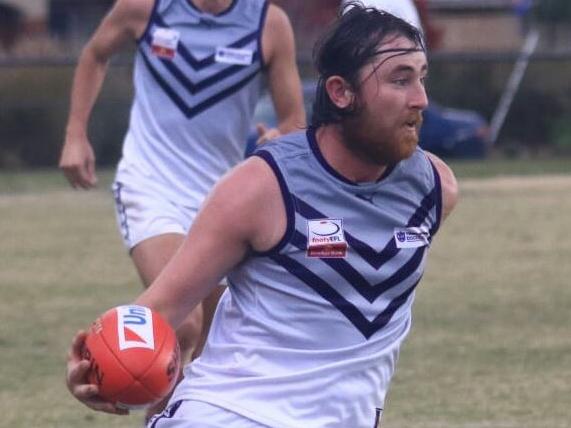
(499, 82)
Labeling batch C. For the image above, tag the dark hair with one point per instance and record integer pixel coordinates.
(350, 44)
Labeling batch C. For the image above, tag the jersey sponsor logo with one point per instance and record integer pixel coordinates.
(325, 238)
(411, 237)
(135, 327)
(164, 42)
(234, 56)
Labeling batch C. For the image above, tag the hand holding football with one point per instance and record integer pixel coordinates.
(134, 355)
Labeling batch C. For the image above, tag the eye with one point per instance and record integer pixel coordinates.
(401, 81)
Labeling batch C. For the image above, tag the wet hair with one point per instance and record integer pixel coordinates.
(350, 44)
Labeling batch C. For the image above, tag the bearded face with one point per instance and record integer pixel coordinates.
(384, 127)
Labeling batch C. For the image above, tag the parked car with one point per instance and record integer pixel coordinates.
(446, 132)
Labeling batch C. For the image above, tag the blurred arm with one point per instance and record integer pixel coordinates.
(283, 76)
(448, 183)
(124, 23)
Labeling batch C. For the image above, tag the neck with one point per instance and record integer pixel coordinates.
(212, 6)
(342, 159)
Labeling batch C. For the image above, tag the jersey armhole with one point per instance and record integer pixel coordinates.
(263, 17)
(143, 36)
(437, 194)
(288, 202)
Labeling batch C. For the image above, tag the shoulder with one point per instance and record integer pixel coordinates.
(277, 32)
(277, 24)
(134, 8)
(132, 13)
(276, 16)
(448, 183)
(250, 194)
(289, 145)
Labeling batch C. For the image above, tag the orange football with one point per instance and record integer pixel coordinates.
(134, 356)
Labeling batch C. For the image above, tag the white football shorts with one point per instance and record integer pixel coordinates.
(143, 212)
(193, 414)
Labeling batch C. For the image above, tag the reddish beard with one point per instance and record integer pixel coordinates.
(386, 147)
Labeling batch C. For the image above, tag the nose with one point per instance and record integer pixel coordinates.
(419, 99)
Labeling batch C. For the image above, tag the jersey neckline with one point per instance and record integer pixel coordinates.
(224, 12)
(312, 139)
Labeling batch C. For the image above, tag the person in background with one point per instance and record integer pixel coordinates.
(415, 12)
(326, 237)
(197, 75)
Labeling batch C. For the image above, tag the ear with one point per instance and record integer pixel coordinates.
(340, 92)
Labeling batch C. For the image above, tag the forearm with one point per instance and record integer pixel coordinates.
(87, 82)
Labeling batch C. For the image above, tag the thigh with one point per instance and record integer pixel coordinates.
(198, 414)
(152, 255)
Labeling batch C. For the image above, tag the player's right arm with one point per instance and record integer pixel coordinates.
(245, 211)
(124, 23)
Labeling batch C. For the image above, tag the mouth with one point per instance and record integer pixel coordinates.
(413, 123)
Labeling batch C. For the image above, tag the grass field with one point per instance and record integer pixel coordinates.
(490, 346)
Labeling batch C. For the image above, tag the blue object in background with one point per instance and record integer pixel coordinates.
(454, 133)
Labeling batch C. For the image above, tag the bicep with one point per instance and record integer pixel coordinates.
(212, 247)
(231, 222)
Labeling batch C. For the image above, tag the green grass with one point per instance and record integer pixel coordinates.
(490, 345)
(502, 167)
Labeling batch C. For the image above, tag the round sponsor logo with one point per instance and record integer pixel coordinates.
(325, 228)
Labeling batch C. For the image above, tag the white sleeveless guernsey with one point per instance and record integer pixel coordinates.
(309, 332)
(197, 80)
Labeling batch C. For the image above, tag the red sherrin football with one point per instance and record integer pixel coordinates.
(134, 356)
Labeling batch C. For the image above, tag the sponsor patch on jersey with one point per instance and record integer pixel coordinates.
(234, 56)
(135, 327)
(325, 238)
(165, 42)
(411, 237)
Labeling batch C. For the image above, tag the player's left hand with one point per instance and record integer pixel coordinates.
(265, 134)
(76, 379)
